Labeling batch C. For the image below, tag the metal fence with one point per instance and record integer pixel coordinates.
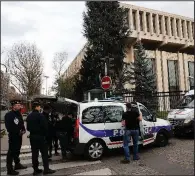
(164, 101)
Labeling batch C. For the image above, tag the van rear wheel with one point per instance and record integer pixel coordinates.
(94, 150)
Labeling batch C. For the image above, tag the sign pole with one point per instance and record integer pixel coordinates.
(105, 75)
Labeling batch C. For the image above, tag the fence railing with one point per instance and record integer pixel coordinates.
(163, 102)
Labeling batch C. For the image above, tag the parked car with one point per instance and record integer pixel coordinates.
(182, 118)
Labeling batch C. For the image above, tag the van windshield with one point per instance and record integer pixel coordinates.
(186, 102)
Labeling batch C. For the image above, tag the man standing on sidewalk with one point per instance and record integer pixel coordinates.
(15, 127)
(38, 127)
(131, 120)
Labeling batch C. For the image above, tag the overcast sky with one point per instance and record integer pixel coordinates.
(57, 26)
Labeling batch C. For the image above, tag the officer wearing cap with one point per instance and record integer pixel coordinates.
(38, 127)
(15, 127)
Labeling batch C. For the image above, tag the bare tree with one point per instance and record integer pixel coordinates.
(24, 62)
(59, 62)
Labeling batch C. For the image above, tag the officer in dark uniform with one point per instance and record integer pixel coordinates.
(15, 127)
(55, 118)
(38, 127)
(65, 131)
(46, 113)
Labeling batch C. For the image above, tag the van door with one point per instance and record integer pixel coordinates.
(91, 123)
(113, 128)
(147, 125)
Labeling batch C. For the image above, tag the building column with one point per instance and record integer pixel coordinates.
(158, 71)
(185, 29)
(163, 24)
(190, 30)
(150, 24)
(137, 21)
(174, 28)
(181, 71)
(169, 26)
(157, 24)
(165, 72)
(130, 19)
(144, 22)
(180, 29)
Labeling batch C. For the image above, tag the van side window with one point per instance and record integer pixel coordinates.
(93, 114)
(145, 114)
(113, 113)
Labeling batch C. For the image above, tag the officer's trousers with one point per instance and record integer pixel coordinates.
(15, 143)
(63, 138)
(39, 143)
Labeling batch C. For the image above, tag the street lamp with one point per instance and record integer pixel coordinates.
(46, 77)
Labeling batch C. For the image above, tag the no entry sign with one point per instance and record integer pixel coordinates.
(106, 82)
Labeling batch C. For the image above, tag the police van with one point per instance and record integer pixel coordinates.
(182, 117)
(98, 127)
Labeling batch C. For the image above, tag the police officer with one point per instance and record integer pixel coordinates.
(15, 127)
(38, 127)
(55, 118)
(64, 132)
(46, 113)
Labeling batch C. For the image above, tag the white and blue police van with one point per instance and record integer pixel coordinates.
(98, 127)
(182, 117)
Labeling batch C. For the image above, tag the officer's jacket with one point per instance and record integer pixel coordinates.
(14, 122)
(37, 124)
(65, 125)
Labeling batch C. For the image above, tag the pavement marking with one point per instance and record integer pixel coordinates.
(105, 171)
(57, 166)
(29, 154)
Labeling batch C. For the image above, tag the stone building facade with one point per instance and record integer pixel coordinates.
(169, 42)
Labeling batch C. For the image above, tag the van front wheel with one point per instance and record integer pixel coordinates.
(161, 140)
(94, 150)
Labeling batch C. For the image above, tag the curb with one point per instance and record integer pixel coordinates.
(24, 149)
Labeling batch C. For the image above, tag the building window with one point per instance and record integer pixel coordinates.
(172, 26)
(173, 75)
(141, 21)
(193, 30)
(188, 32)
(152, 66)
(166, 26)
(154, 23)
(134, 19)
(148, 22)
(160, 24)
(127, 17)
(191, 74)
(177, 27)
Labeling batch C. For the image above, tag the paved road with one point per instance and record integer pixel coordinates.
(175, 159)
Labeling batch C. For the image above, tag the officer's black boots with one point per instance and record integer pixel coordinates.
(37, 171)
(12, 172)
(19, 166)
(49, 171)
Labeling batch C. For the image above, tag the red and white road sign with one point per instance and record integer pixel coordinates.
(106, 82)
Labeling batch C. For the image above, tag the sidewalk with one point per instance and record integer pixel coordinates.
(4, 141)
